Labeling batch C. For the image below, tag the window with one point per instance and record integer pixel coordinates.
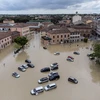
(65, 36)
(68, 35)
(61, 36)
(57, 36)
(57, 40)
(5, 39)
(53, 40)
(2, 40)
(53, 36)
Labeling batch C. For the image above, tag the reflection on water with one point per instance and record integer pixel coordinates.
(95, 72)
(82, 69)
(22, 56)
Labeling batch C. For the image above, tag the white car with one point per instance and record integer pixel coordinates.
(54, 64)
(57, 53)
(25, 66)
(37, 90)
(50, 87)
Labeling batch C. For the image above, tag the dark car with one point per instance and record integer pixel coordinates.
(54, 77)
(73, 80)
(54, 67)
(30, 65)
(43, 80)
(15, 74)
(17, 51)
(91, 58)
(44, 48)
(27, 61)
(77, 53)
(46, 69)
(22, 69)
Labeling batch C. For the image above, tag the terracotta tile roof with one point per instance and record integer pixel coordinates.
(59, 31)
(4, 35)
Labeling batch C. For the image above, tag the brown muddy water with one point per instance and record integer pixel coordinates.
(84, 70)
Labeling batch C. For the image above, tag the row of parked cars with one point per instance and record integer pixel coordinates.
(51, 76)
(40, 89)
(23, 68)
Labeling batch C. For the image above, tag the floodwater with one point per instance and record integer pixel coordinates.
(84, 70)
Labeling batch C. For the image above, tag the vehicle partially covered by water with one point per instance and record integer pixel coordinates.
(15, 74)
(43, 80)
(57, 53)
(73, 80)
(69, 59)
(37, 90)
(50, 87)
(77, 53)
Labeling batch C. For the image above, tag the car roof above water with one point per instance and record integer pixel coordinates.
(39, 88)
(52, 84)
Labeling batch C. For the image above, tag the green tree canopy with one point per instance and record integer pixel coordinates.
(97, 50)
(21, 41)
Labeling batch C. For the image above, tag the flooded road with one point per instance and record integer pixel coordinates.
(84, 70)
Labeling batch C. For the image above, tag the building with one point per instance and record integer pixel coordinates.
(76, 18)
(75, 36)
(8, 21)
(14, 35)
(5, 39)
(84, 30)
(56, 36)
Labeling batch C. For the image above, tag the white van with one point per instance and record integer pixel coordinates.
(37, 90)
(50, 87)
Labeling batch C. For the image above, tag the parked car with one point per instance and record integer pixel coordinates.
(44, 48)
(91, 58)
(21, 69)
(25, 66)
(30, 65)
(73, 80)
(54, 67)
(52, 73)
(77, 53)
(46, 69)
(15, 74)
(43, 80)
(69, 59)
(54, 77)
(27, 61)
(57, 53)
(54, 64)
(50, 87)
(37, 90)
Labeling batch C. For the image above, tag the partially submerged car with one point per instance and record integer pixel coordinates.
(37, 90)
(50, 87)
(43, 80)
(15, 74)
(73, 80)
(57, 53)
(77, 53)
(46, 69)
(69, 59)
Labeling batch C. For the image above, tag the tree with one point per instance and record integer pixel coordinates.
(21, 41)
(85, 40)
(56, 19)
(96, 49)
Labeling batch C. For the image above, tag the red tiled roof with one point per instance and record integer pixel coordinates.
(4, 35)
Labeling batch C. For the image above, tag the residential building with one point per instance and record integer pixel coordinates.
(5, 39)
(8, 21)
(76, 18)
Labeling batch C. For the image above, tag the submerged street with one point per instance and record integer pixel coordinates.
(87, 72)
